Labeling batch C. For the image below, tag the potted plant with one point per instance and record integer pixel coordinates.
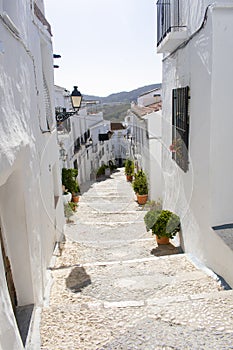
(140, 187)
(73, 206)
(66, 195)
(163, 223)
(101, 170)
(129, 169)
(68, 212)
(69, 181)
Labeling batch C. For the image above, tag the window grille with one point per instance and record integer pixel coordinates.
(180, 130)
(48, 109)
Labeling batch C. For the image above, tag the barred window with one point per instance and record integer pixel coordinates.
(48, 109)
(180, 127)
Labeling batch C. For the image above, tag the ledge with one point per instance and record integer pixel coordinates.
(225, 232)
(172, 40)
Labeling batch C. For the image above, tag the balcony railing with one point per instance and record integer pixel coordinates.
(168, 18)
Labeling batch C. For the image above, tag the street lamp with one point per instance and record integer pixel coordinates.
(76, 100)
(89, 143)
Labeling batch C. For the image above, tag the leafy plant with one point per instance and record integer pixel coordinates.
(163, 223)
(69, 180)
(112, 166)
(140, 184)
(68, 211)
(129, 167)
(101, 170)
(73, 205)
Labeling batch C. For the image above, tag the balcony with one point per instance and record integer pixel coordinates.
(170, 30)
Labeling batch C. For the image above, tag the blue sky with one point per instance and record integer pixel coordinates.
(106, 46)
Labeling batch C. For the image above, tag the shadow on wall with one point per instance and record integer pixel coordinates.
(77, 280)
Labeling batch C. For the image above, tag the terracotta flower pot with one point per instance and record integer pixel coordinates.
(142, 198)
(129, 178)
(162, 240)
(75, 198)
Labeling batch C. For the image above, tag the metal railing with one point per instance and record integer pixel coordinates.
(168, 18)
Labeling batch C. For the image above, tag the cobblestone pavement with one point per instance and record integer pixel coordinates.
(114, 288)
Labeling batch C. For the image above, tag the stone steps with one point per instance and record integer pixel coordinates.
(117, 281)
(114, 288)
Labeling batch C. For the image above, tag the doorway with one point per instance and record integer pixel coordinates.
(8, 274)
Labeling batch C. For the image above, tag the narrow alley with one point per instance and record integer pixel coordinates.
(114, 288)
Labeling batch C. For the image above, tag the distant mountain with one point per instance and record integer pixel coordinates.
(124, 96)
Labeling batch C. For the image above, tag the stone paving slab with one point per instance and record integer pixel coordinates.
(115, 232)
(204, 324)
(130, 280)
(106, 251)
(108, 205)
(95, 217)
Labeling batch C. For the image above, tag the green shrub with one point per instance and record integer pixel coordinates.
(69, 180)
(68, 211)
(112, 166)
(163, 223)
(129, 167)
(101, 170)
(73, 205)
(140, 184)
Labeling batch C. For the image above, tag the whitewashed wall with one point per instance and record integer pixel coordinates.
(89, 159)
(201, 197)
(120, 144)
(153, 154)
(149, 97)
(29, 221)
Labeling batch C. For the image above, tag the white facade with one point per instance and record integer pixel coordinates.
(150, 97)
(31, 209)
(202, 195)
(145, 130)
(120, 145)
(78, 138)
(154, 154)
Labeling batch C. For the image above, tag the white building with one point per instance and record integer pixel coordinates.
(31, 209)
(84, 138)
(144, 137)
(195, 39)
(119, 142)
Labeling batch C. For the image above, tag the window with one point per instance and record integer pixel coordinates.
(75, 164)
(180, 130)
(48, 109)
(77, 145)
(47, 120)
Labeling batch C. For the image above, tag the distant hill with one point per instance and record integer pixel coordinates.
(115, 112)
(124, 96)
